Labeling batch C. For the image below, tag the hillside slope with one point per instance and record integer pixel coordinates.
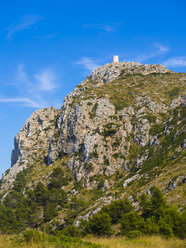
(120, 132)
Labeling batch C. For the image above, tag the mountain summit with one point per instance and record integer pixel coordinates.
(109, 72)
(119, 132)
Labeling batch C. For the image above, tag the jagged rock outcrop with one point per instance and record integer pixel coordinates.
(110, 72)
(31, 143)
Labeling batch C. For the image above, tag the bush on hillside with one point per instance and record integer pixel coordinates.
(100, 224)
(57, 179)
(72, 231)
(41, 194)
(132, 221)
(117, 208)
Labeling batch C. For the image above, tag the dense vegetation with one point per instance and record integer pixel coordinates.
(24, 207)
(155, 217)
(33, 208)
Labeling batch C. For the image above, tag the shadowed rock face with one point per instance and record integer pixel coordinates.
(103, 126)
(16, 153)
(31, 143)
(35, 127)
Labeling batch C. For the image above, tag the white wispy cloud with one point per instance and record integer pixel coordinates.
(25, 23)
(175, 62)
(20, 72)
(22, 78)
(162, 48)
(107, 28)
(26, 101)
(88, 63)
(159, 50)
(102, 27)
(46, 80)
(32, 88)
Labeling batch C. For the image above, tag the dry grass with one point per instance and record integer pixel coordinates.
(143, 242)
(10, 241)
(124, 90)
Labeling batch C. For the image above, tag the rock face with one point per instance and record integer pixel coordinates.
(31, 143)
(103, 127)
(96, 136)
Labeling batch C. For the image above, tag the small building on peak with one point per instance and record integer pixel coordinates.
(115, 59)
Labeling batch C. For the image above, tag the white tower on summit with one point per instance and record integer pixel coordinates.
(115, 59)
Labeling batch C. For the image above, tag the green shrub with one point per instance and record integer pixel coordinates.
(157, 199)
(117, 208)
(109, 132)
(150, 226)
(41, 194)
(165, 228)
(134, 234)
(94, 154)
(161, 217)
(84, 227)
(150, 118)
(152, 206)
(175, 220)
(50, 211)
(78, 186)
(100, 224)
(69, 242)
(72, 231)
(57, 172)
(156, 129)
(8, 221)
(100, 183)
(173, 92)
(34, 236)
(89, 103)
(116, 155)
(106, 161)
(58, 197)
(92, 114)
(132, 221)
(20, 181)
(57, 179)
(77, 204)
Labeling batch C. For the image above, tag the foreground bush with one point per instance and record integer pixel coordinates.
(134, 234)
(100, 224)
(34, 236)
(72, 231)
(117, 208)
(132, 222)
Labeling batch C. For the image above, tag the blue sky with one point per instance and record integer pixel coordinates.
(48, 47)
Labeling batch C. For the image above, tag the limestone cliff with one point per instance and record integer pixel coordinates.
(31, 143)
(97, 133)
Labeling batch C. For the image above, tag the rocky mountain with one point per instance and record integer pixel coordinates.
(119, 132)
